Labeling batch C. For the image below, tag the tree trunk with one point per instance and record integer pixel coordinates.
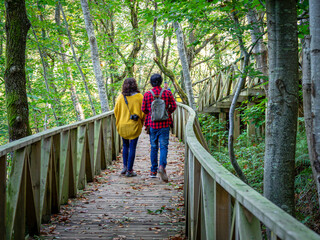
(77, 62)
(17, 26)
(236, 95)
(95, 57)
(164, 69)
(315, 86)
(74, 96)
(44, 65)
(185, 65)
(259, 50)
(282, 110)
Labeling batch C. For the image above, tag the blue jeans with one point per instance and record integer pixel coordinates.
(129, 152)
(157, 136)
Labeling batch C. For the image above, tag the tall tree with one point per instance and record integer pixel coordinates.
(68, 73)
(281, 122)
(184, 63)
(17, 26)
(77, 61)
(95, 57)
(315, 87)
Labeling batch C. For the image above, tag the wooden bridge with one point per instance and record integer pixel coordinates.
(51, 167)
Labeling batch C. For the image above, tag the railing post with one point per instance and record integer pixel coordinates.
(209, 204)
(3, 179)
(186, 186)
(16, 196)
(33, 189)
(248, 226)
(64, 167)
(194, 195)
(176, 122)
(97, 147)
(90, 131)
(107, 140)
(81, 157)
(223, 213)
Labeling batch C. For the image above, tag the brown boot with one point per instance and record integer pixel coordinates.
(163, 174)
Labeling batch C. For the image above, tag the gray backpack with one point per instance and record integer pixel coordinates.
(158, 108)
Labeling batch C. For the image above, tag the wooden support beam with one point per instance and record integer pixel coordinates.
(15, 193)
(223, 213)
(248, 225)
(209, 204)
(81, 157)
(236, 133)
(3, 179)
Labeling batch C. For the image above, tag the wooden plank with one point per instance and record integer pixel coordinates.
(90, 133)
(46, 146)
(56, 173)
(190, 216)
(107, 140)
(102, 158)
(209, 204)
(81, 154)
(13, 194)
(183, 125)
(64, 167)
(32, 203)
(73, 163)
(21, 143)
(3, 179)
(114, 132)
(97, 147)
(248, 225)
(88, 162)
(236, 133)
(19, 227)
(197, 197)
(223, 213)
(47, 203)
(186, 187)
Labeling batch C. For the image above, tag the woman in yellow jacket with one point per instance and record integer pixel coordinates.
(129, 122)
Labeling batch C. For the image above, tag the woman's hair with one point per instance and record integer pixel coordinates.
(129, 86)
(156, 80)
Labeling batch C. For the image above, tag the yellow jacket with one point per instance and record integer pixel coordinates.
(127, 128)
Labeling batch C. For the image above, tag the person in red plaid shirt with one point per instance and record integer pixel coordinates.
(159, 131)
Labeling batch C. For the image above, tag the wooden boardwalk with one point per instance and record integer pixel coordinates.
(116, 207)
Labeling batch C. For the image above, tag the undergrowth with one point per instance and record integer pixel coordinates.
(249, 152)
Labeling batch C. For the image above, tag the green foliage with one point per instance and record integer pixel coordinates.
(255, 113)
(213, 130)
(250, 156)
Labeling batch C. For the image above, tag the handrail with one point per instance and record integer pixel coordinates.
(221, 206)
(220, 87)
(50, 167)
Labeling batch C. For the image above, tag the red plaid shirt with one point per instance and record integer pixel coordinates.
(170, 106)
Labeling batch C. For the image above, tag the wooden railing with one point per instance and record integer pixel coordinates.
(222, 85)
(218, 204)
(50, 167)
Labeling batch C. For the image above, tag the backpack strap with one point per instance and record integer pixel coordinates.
(154, 95)
(162, 90)
(157, 96)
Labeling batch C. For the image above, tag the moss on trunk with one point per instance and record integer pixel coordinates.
(17, 26)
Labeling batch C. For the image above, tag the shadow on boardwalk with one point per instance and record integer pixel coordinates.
(116, 207)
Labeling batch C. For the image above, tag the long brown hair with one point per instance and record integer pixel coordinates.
(129, 86)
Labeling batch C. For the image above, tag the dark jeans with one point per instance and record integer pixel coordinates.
(157, 136)
(129, 152)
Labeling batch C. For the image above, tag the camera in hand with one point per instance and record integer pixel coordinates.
(134, 117)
